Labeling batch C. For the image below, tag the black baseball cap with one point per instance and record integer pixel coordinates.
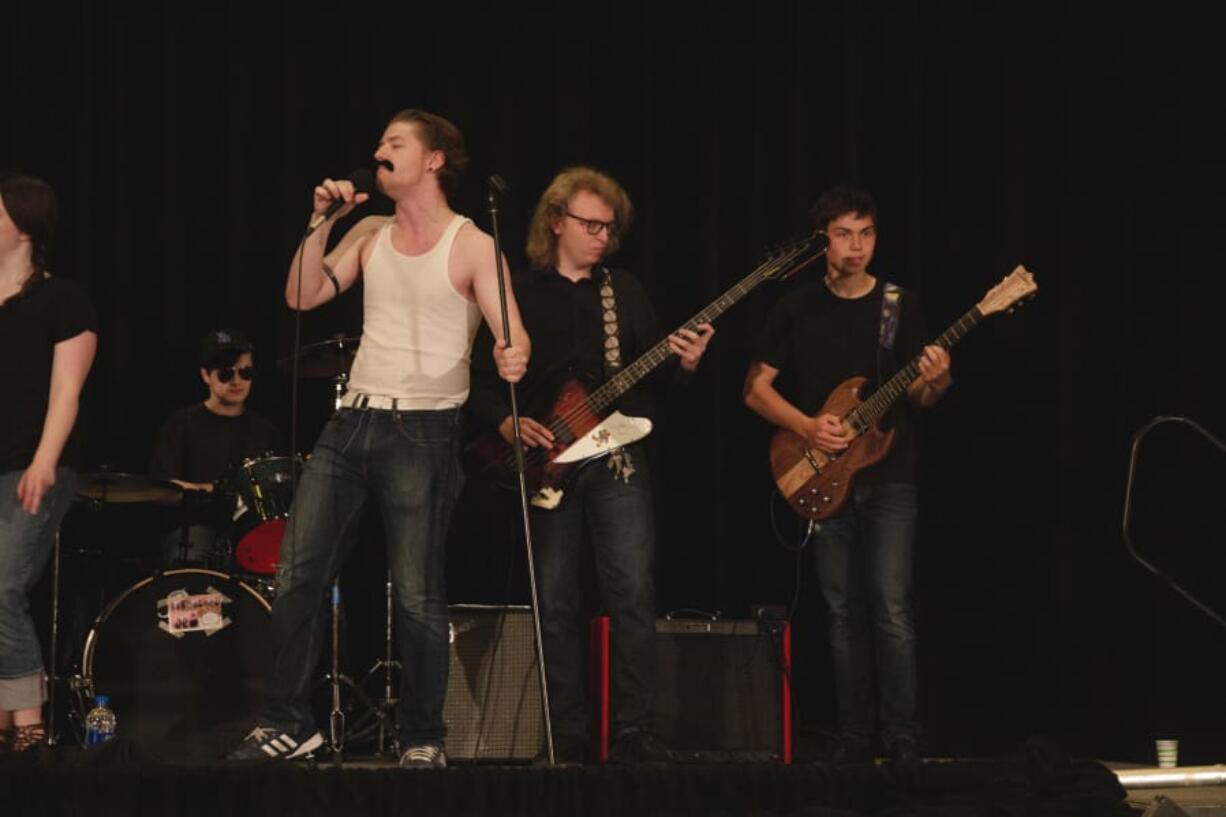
(221, 348)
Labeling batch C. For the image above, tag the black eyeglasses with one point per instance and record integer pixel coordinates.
(227, 374)
(592, 226)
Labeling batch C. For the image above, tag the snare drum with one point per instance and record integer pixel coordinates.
(265, 488)
(183, 656)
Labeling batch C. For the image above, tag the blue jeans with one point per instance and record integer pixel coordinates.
(407, 463)
(618, 517)
(25, 545)
(864, 565)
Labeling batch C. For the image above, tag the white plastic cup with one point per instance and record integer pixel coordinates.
(1168, 753)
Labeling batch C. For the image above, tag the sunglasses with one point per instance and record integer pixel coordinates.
(227, 374)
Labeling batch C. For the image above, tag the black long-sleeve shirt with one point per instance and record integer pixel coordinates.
(565, 320)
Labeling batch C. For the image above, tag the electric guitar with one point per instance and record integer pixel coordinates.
(578, 413)
(817, 484)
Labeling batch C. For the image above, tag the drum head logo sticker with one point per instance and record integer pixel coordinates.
(181, 612)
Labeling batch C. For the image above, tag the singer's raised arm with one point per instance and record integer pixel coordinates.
(323, 278)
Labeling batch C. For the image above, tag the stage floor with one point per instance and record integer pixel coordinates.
(1039, 780)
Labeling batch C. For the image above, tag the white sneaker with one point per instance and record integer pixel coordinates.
(266, 743)
(426, 756)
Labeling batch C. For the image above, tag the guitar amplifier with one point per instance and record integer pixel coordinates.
(493, 704)
(722, 689)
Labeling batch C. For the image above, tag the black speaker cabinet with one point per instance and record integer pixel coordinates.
(493, 705)
(721, 689)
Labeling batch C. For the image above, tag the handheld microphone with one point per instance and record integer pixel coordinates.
(363, 182)
(498, 185)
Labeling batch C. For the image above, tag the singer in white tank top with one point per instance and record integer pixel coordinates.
(419, 356)
(430, 277)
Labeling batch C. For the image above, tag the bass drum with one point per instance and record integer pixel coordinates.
(183, 656)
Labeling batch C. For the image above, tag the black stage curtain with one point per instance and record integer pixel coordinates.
(1081, 141)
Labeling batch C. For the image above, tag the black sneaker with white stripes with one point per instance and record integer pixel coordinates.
(266, 743)
(426, 756)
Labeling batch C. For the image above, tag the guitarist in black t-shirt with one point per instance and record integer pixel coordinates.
(852, 324)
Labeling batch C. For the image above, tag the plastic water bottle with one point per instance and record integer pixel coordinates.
(99, 723)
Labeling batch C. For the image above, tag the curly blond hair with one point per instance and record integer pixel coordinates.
(542, 243)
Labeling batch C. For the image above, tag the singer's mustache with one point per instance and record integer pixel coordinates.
(385, 164)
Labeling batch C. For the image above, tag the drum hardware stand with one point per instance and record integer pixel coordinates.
(184, 536)
(336, 720)
(382, 710)
(385, 709)
(80, 689)
(339, 385)
(53, 680)
(83, 695)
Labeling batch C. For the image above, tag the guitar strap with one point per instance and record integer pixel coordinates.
(612, 340)
(619, 461)
(891, 305)
(891, 300)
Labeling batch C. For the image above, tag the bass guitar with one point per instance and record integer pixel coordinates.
(817, 484)
(578, 415)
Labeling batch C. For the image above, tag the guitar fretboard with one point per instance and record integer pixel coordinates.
(787, 262)
(872, 409)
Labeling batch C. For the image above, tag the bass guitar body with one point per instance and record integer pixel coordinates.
(581, 434)
(817, 485)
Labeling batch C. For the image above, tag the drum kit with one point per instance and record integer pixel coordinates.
(183, 652)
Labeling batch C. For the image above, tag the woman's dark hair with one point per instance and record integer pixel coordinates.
(32, 206)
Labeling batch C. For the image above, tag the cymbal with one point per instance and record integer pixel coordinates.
(111, 486)
(326, 358)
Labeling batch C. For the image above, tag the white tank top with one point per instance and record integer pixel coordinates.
(417, 330)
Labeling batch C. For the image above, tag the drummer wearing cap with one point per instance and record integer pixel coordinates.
(47, 332)
(197, 444)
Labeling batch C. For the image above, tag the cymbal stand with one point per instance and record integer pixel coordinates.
(385, 709)
(53, 662)
(184, 534)
(336, 719)
(339, 385)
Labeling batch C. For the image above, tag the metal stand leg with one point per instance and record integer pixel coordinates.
(336, 720)
(386, 707)
(364, 714)
(497, 185)
(53, 662)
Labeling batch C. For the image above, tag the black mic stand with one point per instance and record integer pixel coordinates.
(496, 187)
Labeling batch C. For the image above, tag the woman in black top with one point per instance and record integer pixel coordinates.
(47, 345)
